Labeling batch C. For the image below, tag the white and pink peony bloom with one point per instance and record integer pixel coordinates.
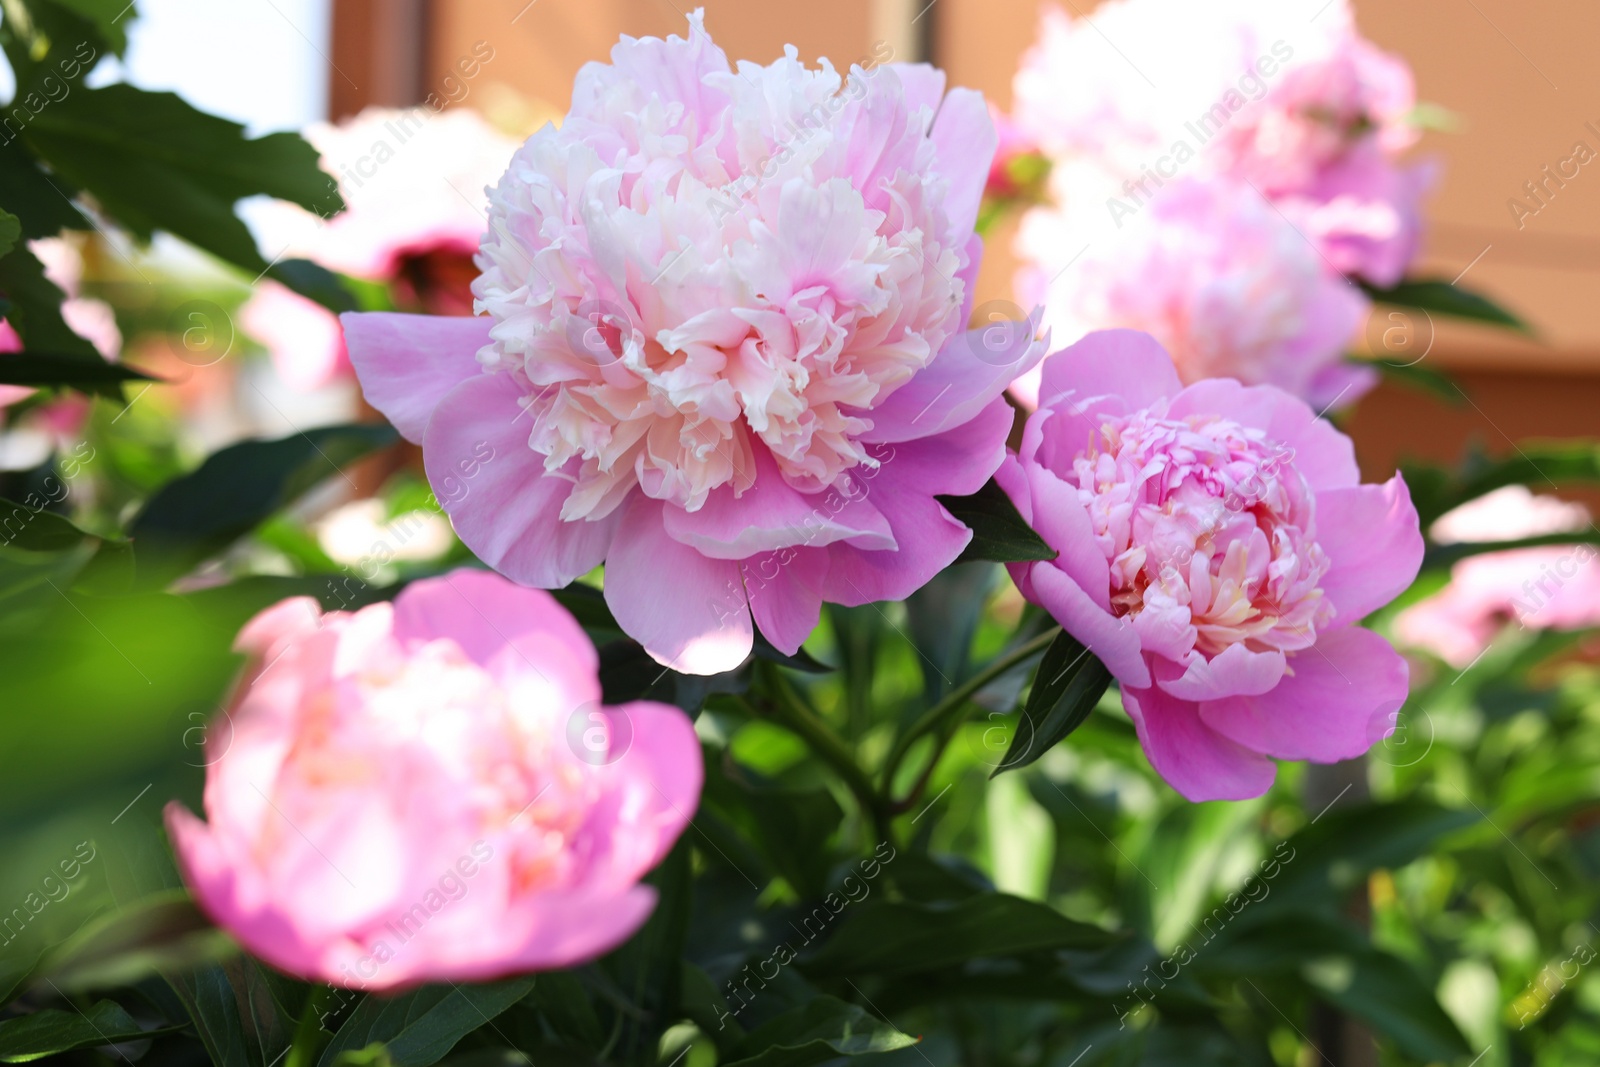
(413, 182)
(1216, 275)
(724, 349)
(1217, 551)
(1221, 174)
(1554, 587)
(432, 790)
(1285, 95)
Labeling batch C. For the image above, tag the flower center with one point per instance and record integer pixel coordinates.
(1210, 525)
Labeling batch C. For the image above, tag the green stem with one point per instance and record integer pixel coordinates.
(309, 1035)
(944, 716)
(791, 711)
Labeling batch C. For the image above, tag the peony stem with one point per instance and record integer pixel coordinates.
(944, 716)
(792, 711)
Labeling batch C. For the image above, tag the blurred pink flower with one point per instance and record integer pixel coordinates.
(1216, 275)
(1556, 587)
(1216, 552)
(414, 184)
(303, 337)
(431, 790)
(1303, 108)
(731, 307)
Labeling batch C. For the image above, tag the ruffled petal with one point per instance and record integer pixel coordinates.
(1325, 456)
(771, 514)
(1236, 671)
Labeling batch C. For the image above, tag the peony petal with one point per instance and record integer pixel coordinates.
(930, 540)
(1372, 536)
(1340, 697)
(1236, 671)
(688, 611)
(1106, 636)
(1061, 519)
(659, 780)
(407, 363)
(970, 371)
(499, 624)
(965, 138)
(1110, 363)
(957, 462)
(1193, 758)
(1325, 456)
(771, 514)
(502, 502)
(785, 590)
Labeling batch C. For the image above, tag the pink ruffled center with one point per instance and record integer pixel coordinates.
(1209, 531)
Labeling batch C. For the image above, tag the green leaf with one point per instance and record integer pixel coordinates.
(162, 931)
(194, 517)
(48, 1032)
(10, 232)
(998, 530)
(1415, 376)
(1391, 998)
(1327, 859)
(900, 937)
(92, 375)
(1435, 294)
(315, 282)
(35, 311)
(41, 201)
(821, 1030)
(153, 162)
(208, 997)
(1068, 684)
(1541, 464)
(420, 1028)
(110, 19)
(38, 530)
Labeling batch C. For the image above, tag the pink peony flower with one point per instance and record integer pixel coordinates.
(414, 185)
(1216, 552)
(1286, 96)
(431, 790)
(1215, 274)
(1550, 588)
(724, 350)
(302, 337)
